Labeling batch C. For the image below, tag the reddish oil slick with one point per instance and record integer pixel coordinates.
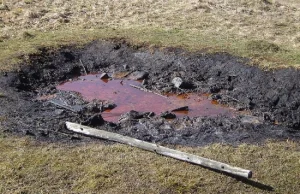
(128, 98)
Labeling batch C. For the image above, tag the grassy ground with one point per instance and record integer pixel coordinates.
(30, 167)
(268, 31)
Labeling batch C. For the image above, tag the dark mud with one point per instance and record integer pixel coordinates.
(127, 95)
(268, 102)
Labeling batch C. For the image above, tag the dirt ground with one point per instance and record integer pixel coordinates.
(267, 103)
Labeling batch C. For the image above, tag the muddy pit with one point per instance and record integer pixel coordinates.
(222, 99)
(124, 95)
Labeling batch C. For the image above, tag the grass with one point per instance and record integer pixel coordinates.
(266, 31)
(267, 55)
(242, 28)
(30, 167)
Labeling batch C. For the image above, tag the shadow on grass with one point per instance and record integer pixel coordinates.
(250, 182)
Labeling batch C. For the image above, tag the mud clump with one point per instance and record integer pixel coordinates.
(268, 102)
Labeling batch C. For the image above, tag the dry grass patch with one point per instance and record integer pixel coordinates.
(30, 167)
(228, 25)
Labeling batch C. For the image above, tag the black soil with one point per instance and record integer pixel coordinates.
(268, 102)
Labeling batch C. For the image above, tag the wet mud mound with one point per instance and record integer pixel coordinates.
(264, 104)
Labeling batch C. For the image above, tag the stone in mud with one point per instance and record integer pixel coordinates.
(109, 106)
(251, 119)
(126, 67)
(93, 107)
(145, 82)
(93, 121)
(120, 75)
(59, 111)
(183, 108)
(272, 97)
(104, 76)
(179, 83)
(215, 89)
(168, 115)
(131, 115)
(167, 89)
(139, 75)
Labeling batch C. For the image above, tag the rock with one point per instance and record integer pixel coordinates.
(59, 111)
(43, 132)
(120, 75)
(215, 97)
(273, 97)
(168, 115)
(139, 75)
(145, 82)
(126, 67)
(214, 89)
(131, 115)
(104, 76)
(184, 108)
(75, 137)
(109, 106)
(179, 83)
(94, 120)
(251, 119)
(167, 89)
(92, 107)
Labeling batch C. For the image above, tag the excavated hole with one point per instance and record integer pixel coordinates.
(124, 95)
(222, 99)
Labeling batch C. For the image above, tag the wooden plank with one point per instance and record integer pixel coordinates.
(212, 164)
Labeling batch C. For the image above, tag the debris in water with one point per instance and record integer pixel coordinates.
(127, 98)
(104, 76)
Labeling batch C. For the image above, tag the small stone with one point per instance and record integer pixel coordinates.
(126, 67)
(75, 137)
(251, 119)
(131, 115)
(59, 111)
(184, 108)
(120, 75)
(168, 115)
(144, 82)
(179, 83)
(104, 76)
(214, 89)
(109, 106)
(139, 75)
(92, 107)
(167, 89)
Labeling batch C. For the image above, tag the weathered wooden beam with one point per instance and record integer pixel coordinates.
(160, 150)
